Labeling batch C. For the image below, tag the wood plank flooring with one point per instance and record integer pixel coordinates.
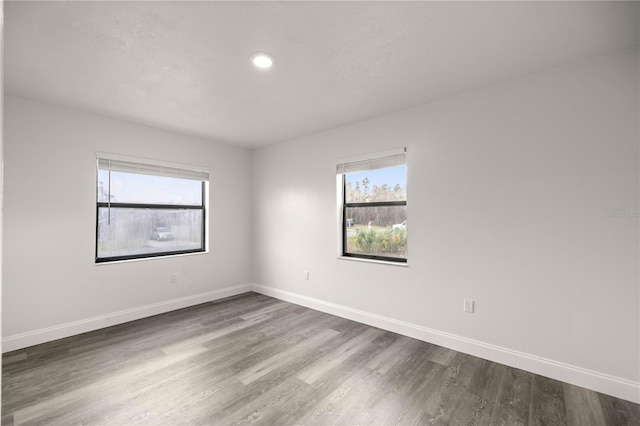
(254, 359)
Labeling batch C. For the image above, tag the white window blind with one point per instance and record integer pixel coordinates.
(375, 162)
(150, 167)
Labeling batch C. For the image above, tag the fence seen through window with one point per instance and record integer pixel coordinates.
(148, 211)
(374, 211)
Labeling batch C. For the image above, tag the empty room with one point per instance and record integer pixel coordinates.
(329, 213)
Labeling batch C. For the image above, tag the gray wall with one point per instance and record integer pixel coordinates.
(50, 279)
(508, 192)
(509, 189)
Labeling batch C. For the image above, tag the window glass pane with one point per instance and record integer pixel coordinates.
(377, 231)
(148, 189)
(134, 231)
(388, 184)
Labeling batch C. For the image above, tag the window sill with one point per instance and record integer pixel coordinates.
(143, 259)
(379, 262)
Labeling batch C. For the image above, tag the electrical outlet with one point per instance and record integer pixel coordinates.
(306, 275)
(468, 305)
(174, 277)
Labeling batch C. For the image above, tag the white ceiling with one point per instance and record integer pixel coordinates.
(185, 65)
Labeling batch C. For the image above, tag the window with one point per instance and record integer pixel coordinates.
(374, 207)
(147, 208)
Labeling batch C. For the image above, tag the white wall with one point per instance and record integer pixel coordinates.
(508, 188)
(51, 285)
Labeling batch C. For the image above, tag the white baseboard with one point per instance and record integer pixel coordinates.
(599, 382)
(23, 340)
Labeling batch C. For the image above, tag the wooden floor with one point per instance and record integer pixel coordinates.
(254, 359)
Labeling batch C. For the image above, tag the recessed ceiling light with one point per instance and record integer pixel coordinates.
(262, 60)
